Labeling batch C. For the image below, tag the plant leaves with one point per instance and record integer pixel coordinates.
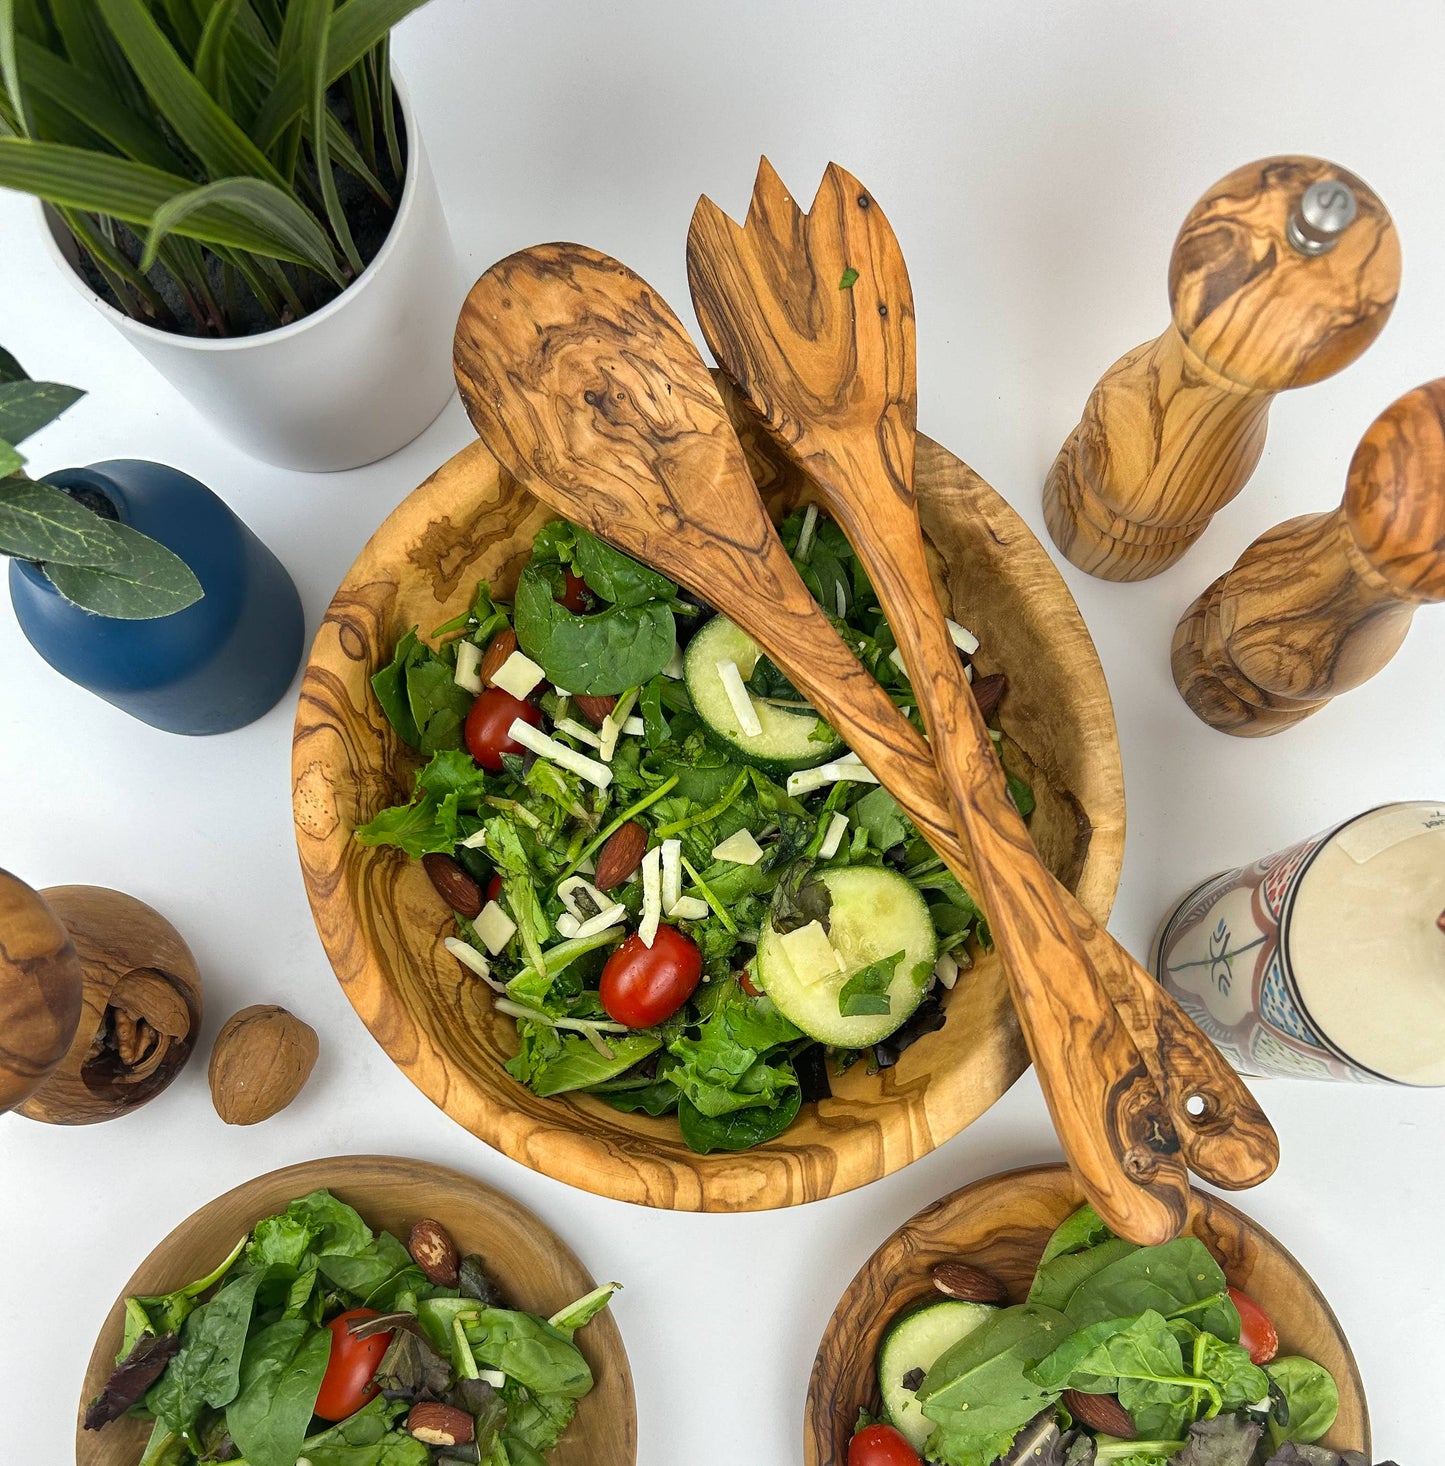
(10, 369)
(1078, 1231)
(9, 70)
(149, 580)
(356, 27)
(740, 1130)
(866, 991)
(39, 522)
(280, 1377)
(1180, 1279)
(26, 407)
(278, 225)
(1311, 1395)
(529, 1350)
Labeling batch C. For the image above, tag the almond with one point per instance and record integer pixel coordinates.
(434, 1252)
(988, 693)
(970, 1284)
(453, 884)
(499, 648)
(620, 856)
(595, 708)
(436, 1424)
(1100, 1412)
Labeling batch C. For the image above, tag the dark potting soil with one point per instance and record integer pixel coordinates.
(370, 222)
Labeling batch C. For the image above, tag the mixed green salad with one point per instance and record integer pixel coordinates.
(320, 1341)
(674, 876)
(1133, 1356)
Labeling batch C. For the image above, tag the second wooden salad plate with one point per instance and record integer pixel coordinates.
(534, 1268)
(383, 925)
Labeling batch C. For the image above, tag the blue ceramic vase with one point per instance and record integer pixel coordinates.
(219, 664)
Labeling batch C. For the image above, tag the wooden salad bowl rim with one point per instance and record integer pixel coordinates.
(1000, 1224)
(383, 925)
(533, 1266)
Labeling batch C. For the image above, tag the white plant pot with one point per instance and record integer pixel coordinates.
(349, 384)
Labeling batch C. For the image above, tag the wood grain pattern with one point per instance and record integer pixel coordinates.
(1174, 429)
(1319, 604)
(830, 371)
(40, 983)
(535, 1269)
(382, 923)
(136, 967)
(1000, 1224)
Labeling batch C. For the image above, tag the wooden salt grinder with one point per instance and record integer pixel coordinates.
(1319, 604)
(1282, 274)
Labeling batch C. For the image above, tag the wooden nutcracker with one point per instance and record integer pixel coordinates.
(1282, 274)
(1319, 604)
(100, 1002)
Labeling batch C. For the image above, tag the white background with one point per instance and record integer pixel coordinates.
(1035, 163)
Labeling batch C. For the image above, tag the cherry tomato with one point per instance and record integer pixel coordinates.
(574, 596)
(643, 985)
(1256, 1332)
(881, 1445)
(486, 732)
(494, 889)
(346, 1386)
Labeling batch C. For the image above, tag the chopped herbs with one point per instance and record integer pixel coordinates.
(849, 280)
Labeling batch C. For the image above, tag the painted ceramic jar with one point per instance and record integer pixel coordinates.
(1326, 960)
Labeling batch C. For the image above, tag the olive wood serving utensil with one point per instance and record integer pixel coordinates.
(811, 315)
(583, 384)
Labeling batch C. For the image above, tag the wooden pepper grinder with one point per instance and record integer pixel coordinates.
(100, 1002)
(1282, 274)
(1319, 604)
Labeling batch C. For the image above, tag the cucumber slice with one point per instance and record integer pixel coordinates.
(787, 740)
(875, 913)
(916, 1341)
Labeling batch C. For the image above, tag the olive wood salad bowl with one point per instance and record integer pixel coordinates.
(1000, 1225)
(532, 1266)
(383, 924)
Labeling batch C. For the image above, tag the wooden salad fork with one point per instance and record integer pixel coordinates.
(584, 385)
(811, 316)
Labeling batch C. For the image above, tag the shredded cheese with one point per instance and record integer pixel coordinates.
(581, 897)
(611, 916)
(673, 668)
(651, 896)
(742, 704)
(580, 731)
(849, 768)
(963, 638)
(671, 874)
(494, 927)
(805, 534)
(834, 838)
(839, 599)
(567, 925)
(468, 674)
(473, 960)
(475, 841)
(634, 727)
(810, 953)
(519, 675)
(740, 848)
(946, 970)
(688, 908)
(588, 768)
(612, 723)
(896, 657)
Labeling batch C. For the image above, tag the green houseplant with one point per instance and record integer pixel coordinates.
(222, 174)
(74, 540)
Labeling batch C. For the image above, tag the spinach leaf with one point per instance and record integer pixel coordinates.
(621, 647)
(1312, 1398)
(551, 1063)
(164, 1313)
(659, 1097)
(373, 1272)
(801, 897)
(583, 1310)
(767, 680)
(1240, 1382)
(389, 685)
(1057, 1280)
(207, 1370)
(529, 1350)
(879, 813)
(368, 1438)
(1140, 1359)
(1079, 1230)
(1179, 1280)
(867, 990)
(439, 707)
(740, 1130)
(614, 576)
(978, 1393)
(535, 1420)
(280, 1377)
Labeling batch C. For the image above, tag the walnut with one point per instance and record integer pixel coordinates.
(262, 1058)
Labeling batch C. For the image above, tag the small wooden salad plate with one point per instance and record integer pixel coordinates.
(383, 924)
(533, 1267)
(1000, 1225)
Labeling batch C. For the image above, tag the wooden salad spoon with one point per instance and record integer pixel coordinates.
(811, 315)
(585, 387)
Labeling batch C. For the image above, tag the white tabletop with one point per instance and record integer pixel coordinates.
(1035, 163)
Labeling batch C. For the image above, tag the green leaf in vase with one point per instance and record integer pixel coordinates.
(147, 582)
(38, 522)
